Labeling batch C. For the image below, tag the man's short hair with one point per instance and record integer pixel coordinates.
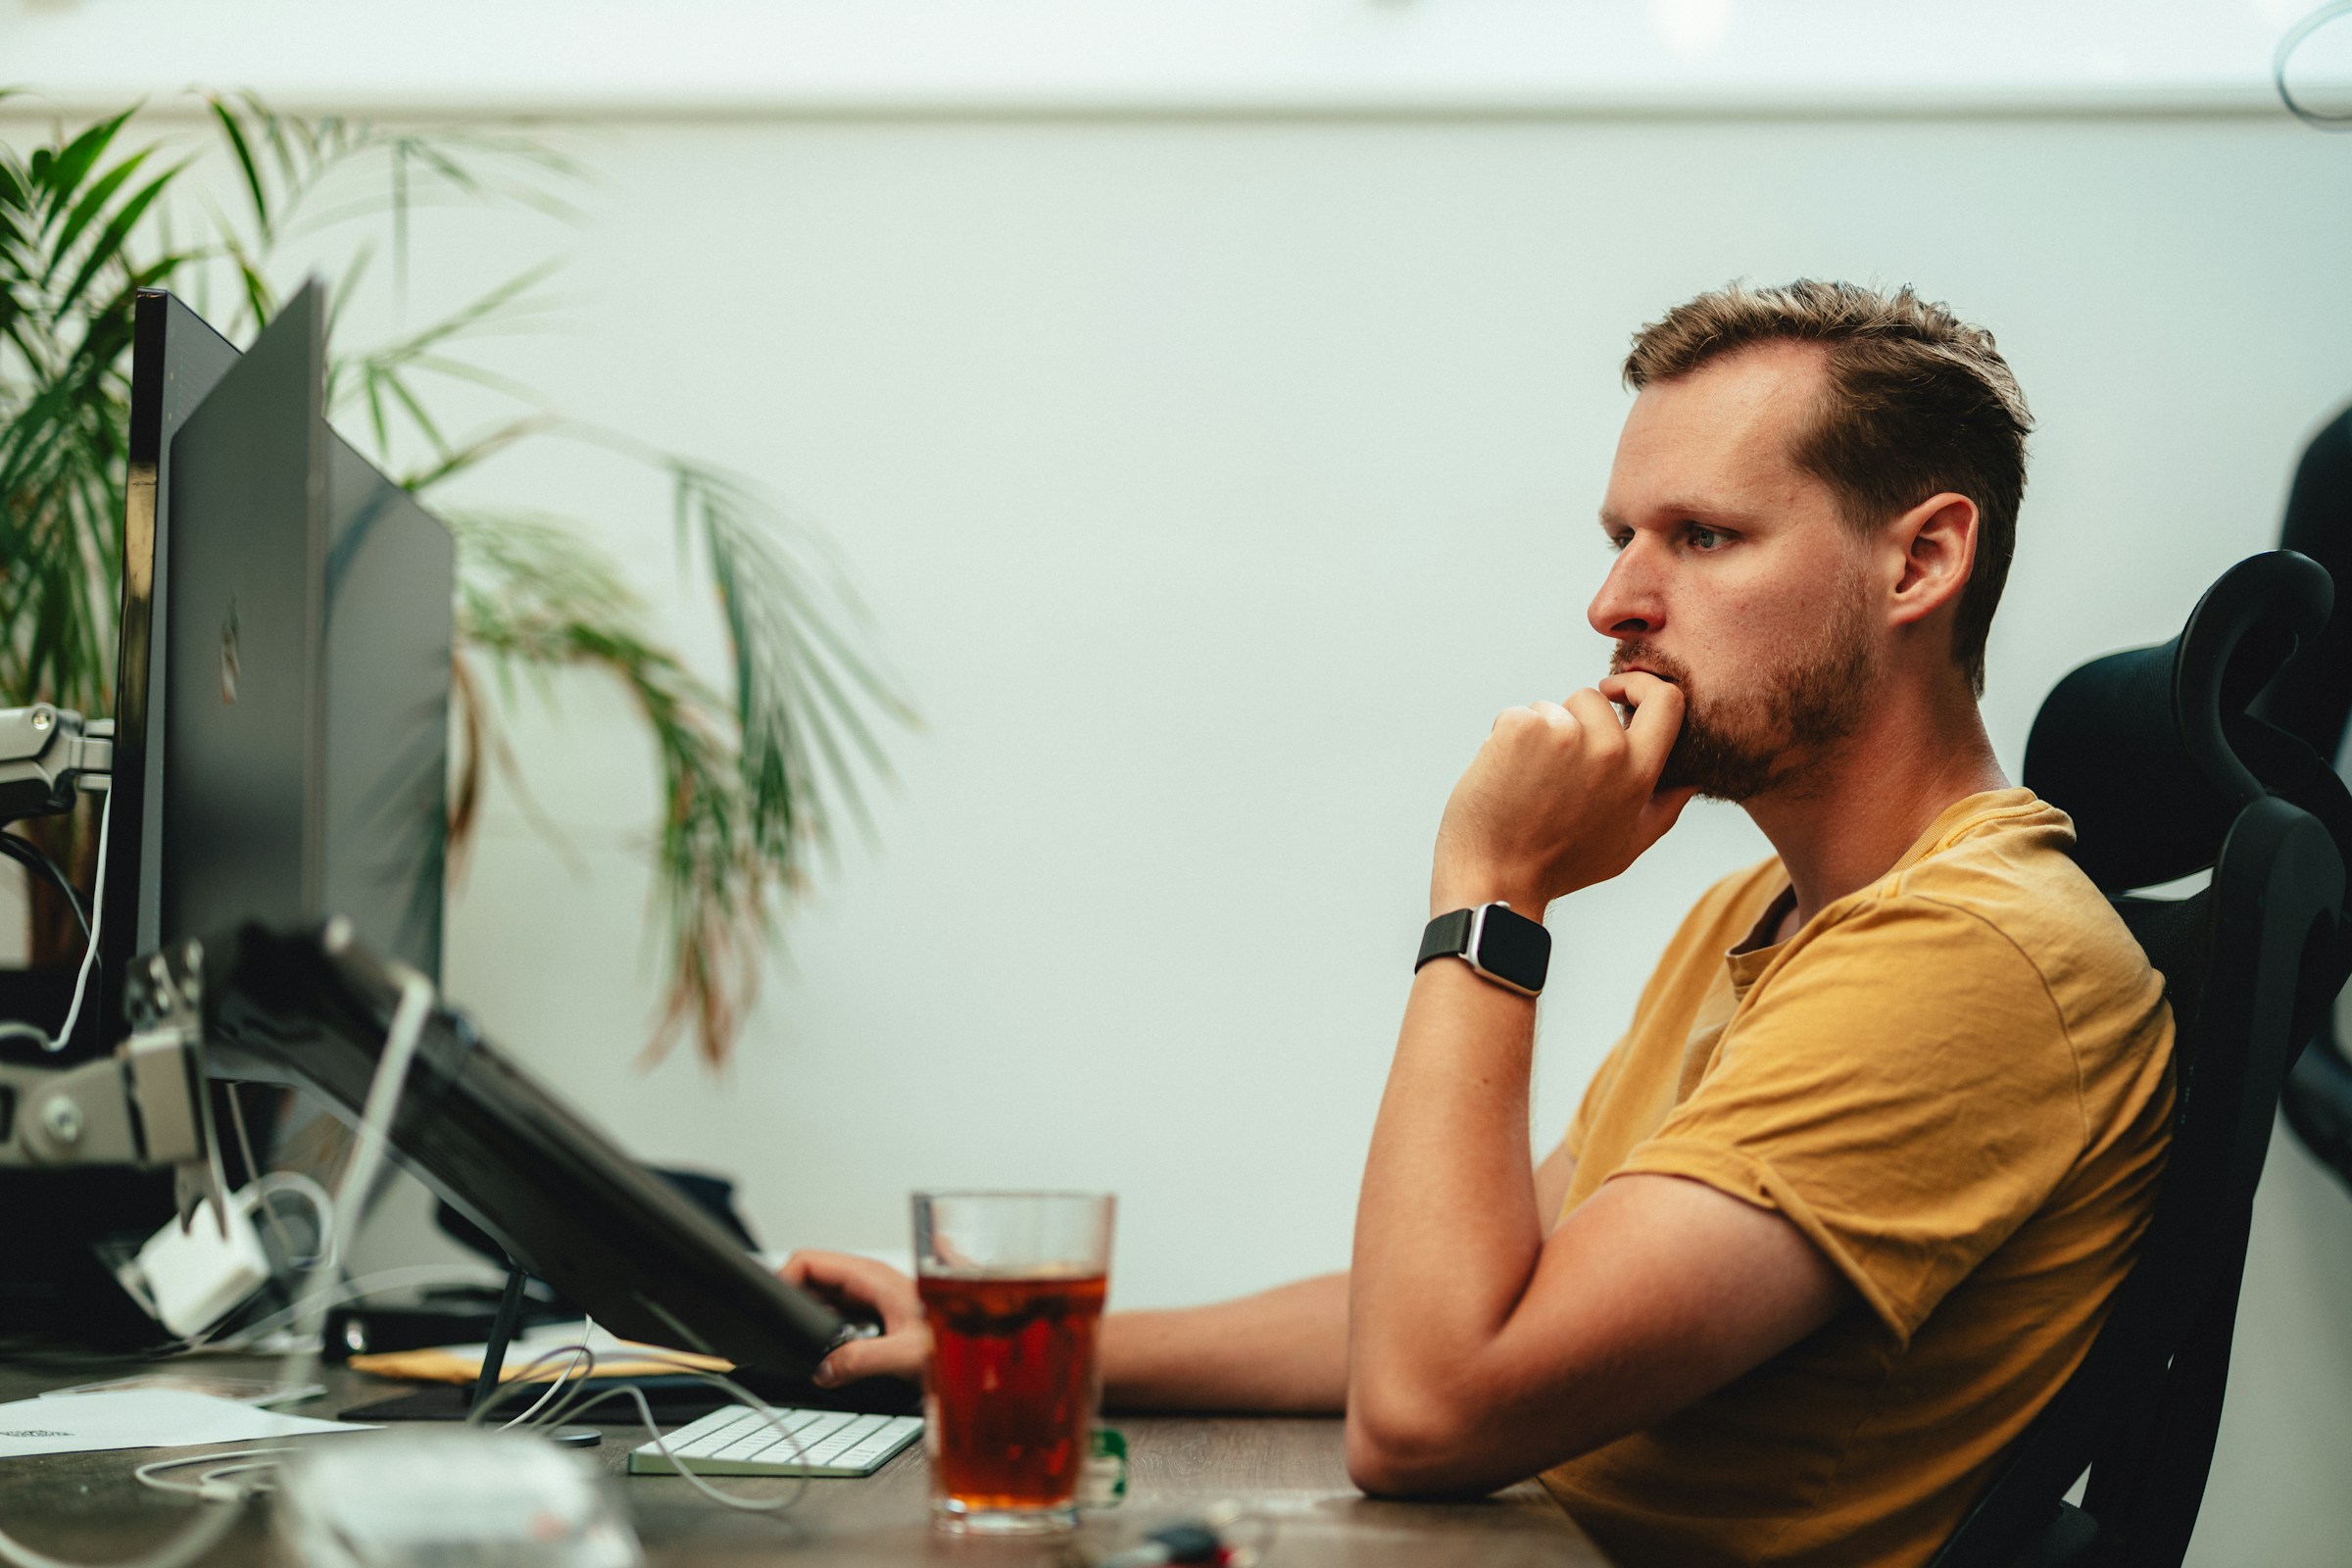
(1919, 401)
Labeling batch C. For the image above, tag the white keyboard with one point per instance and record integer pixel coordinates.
(737, 1441)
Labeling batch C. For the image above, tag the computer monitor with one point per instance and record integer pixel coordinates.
(307, 636)
(305, 680)
(176, 359)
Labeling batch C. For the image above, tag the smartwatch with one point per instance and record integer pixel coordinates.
(1506, 946)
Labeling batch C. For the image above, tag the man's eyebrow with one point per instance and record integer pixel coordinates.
(1614, 522)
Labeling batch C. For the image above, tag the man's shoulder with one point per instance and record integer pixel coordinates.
(2006, 878)
(2011, 866)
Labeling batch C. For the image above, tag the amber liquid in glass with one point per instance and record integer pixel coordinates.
(1011, 1393)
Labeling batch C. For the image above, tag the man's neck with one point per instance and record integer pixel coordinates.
(1846, 817)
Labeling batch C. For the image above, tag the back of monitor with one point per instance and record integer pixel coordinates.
(308, 629)
(244, 689)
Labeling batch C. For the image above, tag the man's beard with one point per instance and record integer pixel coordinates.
(1735, 748)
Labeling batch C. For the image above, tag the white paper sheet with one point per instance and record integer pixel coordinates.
(142, 1418)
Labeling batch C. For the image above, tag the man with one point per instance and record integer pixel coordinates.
(1848, 1202)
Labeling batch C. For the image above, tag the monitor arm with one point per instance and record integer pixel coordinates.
(46, 755)
(143, 1106)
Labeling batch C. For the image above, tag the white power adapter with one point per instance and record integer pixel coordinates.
(191, 1279)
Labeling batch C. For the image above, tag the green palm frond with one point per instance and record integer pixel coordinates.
(751, 787)
(384, 381)
(69, 212)
(529, 599)
(756, 772)
(804, 683)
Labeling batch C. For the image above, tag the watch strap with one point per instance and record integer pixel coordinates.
(1446, 937)
(1494, 939)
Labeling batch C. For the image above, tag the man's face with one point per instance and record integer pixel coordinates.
(1735, 577)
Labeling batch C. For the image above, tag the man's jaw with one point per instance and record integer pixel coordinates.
(1703, 757)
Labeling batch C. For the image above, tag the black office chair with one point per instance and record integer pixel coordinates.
(2155, 756)
(2311, 700)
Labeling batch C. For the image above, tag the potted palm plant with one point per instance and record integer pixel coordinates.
(758, 769)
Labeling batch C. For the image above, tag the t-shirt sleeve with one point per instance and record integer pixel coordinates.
(1902, 1087)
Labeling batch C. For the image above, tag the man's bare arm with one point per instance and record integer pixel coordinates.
(1280, 1349)
(1482, 1349)
(1283, 1349)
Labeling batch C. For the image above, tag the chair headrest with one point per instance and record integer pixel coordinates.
(2313, 696)
(2151, 750)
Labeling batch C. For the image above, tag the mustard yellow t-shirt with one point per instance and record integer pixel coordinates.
(1957, 1083)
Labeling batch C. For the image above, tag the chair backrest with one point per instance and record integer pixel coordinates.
(2155, 756)
(2311, 700)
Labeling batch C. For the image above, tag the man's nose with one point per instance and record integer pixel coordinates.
(1628, 604)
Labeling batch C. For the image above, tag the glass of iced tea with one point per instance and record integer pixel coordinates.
(1012, 1286)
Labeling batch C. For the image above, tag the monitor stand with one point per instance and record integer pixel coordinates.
(494, 1364)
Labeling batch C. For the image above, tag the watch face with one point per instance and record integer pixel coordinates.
(1514, 948)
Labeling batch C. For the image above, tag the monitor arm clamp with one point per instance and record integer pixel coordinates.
(47, 755)
(143, 1106)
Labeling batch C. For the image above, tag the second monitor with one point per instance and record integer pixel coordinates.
(308, 630)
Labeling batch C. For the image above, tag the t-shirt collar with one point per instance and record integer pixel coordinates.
(1755, 951)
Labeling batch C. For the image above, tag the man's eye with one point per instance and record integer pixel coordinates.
(1618, 542)
(1703, 537)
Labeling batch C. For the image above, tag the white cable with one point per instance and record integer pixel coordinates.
(685, 1468)
(561, 1384)
(2285, 55)
(89, 953)
(323, 1213)
(401, 1041)
(568, 1408)
(206, 1485)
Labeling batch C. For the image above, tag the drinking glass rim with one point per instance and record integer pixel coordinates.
(921, 1195)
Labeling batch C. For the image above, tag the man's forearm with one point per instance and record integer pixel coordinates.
(1284, 1349)
(1448, 1233)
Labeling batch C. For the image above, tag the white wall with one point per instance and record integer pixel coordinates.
(1213, 483)
(763, 56)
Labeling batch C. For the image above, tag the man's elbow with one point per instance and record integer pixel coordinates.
(1405, 1446)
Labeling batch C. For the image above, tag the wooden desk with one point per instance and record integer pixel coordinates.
(1288, 1471)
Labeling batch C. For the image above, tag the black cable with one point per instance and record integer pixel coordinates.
(2286, 49)
(28, 854)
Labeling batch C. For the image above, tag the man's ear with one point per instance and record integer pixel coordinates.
(1937, 539)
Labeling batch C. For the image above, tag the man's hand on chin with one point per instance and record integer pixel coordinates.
(1561, 796)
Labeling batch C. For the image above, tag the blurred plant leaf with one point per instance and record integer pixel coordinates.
(753, 777)
(530, 597)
